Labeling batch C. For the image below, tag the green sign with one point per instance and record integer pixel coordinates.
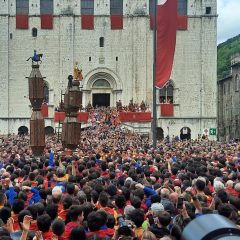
(213, 131)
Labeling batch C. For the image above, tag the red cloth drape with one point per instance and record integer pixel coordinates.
(44, 110)
(82, 117)
(59, 116)
(135, 116)
(116, 22)
(182, 22)
(88, 22)
(166, 41)
(167, 109)
(21, 21)
(47, 21)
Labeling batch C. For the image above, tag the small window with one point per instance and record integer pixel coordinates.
(208, 10)
(34, 32)
(116, 59)
(89, 59)
(10, 36)
(101, 41)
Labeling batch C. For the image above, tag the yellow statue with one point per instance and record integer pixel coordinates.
(77, 73)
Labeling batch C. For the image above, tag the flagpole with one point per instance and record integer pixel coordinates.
(154, 121)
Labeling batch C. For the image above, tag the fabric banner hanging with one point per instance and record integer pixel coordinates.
(46, 13)
(182, 23)
(166, 40)
(21, 21)
(88, 22)
(46, 21)
(116, 22)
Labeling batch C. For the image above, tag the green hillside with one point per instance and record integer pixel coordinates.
(224, 52)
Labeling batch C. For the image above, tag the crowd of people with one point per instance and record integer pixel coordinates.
(115, 185)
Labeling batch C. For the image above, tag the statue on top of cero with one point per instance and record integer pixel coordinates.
(77, 76)
(36, 58)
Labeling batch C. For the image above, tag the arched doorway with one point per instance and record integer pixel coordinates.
(102, 84)
(101, 95)
(185, 133)
(22, 130)
(49, 130)
(160, 133)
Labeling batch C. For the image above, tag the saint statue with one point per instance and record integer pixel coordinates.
(77, 73)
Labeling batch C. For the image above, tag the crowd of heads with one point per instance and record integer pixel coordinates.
(115, 185)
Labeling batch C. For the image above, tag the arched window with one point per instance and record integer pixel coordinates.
(101, 83)
(34, 32)
(237, 83)
(101, 41)
(46, 92)
(49, 130)
(23, 130)
(166, 94)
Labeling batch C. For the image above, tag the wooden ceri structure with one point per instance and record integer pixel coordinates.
(72, 102)
(36, 97)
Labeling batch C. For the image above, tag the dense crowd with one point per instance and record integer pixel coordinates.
(114, 186)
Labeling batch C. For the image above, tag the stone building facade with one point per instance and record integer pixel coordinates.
(115, 62)
(229, 103)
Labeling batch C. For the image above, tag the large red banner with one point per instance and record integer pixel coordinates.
(166, 41)
(47, 21)
(116, 22)
(21, 21)
(135, 116)
(88, 22)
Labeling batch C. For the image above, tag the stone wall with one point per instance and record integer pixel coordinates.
(127, 54)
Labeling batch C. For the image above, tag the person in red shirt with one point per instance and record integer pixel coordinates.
(74, 218)
(58, 228)
(67, 203)
(120, 203)
(18, 206)
(44, 224)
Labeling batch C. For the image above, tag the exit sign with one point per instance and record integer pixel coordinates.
(212, 131)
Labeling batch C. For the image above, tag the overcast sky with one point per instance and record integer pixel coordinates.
(228, 19)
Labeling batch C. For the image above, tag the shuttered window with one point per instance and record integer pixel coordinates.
(22, 7)
(87, 7)
(46, 7)
(116, 7)
(182, 7)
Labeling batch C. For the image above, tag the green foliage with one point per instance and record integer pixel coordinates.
(224, 52)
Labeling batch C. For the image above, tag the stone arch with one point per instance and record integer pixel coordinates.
(185, 133)
(49, 130)
(102, 73)
(160, 133)
(23, 130)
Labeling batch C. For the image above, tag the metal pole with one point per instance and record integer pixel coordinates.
(154, 121)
